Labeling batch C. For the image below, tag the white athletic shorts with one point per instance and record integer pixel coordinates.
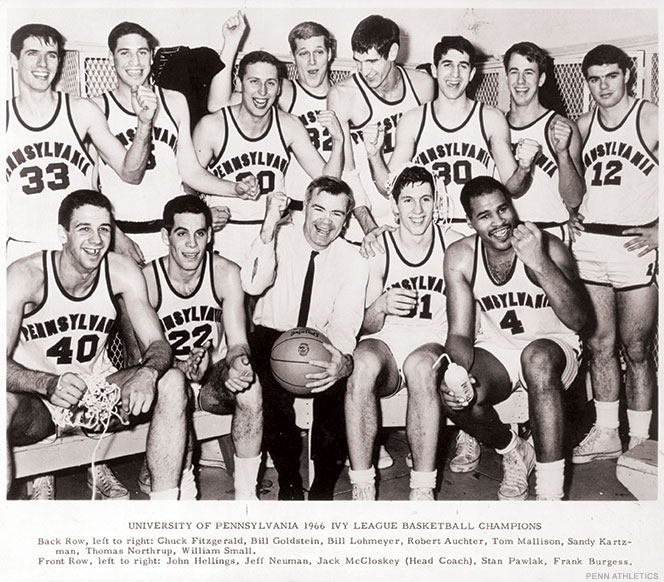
(604, 260)
(510, 358)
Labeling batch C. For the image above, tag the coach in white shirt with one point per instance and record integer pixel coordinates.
(307, 275)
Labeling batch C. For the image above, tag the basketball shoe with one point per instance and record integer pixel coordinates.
(364, 492)
(600, 443)
(105, 484)
(421, 494)
(467, 454)
(43, 488)
(517, 466)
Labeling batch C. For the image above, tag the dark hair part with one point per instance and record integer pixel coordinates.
(478, 187)
(375, 32)
(185, 204)
(259, 57)
(79, 198)
(530, 51)
(333, 186)
(456, 43)
(608, 54)
(44, 32)
(125, 28)
(307, 30)
(412, 175)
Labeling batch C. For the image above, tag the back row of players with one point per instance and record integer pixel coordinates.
(549, 168)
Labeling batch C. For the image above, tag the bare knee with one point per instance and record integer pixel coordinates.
(364, 379)
(419, 375)
(172, 389)
(542, 360)
(637, 351)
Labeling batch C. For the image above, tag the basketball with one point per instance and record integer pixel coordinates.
(290, 358)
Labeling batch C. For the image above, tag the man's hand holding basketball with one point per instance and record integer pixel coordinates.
(339, 366)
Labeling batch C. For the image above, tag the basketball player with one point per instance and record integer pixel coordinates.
(256, 138)
(46, 136)
(172, 159)
(334, 288)
(557, 174)
(61, 306)
(454, 137)
(405, 326)
(199, 300)
(617, 248)
(531, 304)
(380, 92)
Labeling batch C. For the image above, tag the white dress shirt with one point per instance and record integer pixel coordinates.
(339, 287)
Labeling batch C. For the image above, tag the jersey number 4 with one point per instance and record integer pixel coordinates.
(54, 177)
(86, 348)
(512, 322)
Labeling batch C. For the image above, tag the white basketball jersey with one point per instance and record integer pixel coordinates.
(305, 106)
(161, 182)
(621, 173)
(542, 203)
(515, 312)
(266, 157)
(190, 320)
(388, 114)
(454, 155)
(42, 165)
(426, 277)
(66, 333)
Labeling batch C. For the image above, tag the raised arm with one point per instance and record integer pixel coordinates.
(566, 141)
(130, 163)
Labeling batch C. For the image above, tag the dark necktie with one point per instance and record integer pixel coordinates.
(306, 292)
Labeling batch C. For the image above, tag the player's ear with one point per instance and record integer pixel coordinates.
(164, 237)
(628, 76)
(209, 235)
(62, 234)
(237, 84)
(394, 51)
(542, 80)
(473, 70)
(13, 61)
(470, 224)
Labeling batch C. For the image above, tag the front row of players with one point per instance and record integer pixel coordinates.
(190, 324)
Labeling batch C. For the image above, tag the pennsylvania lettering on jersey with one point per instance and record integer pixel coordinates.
(421, 283)
(70, 322)
(514, 299)
(611, 148)
(47, 149)
(249, 159)
(196, 313)
(389, 124)
(543, 162)
(455, 150)
(160, 134)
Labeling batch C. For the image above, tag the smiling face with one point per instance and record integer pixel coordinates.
(312, 60)
(454, 73)
(375, 68)
(132, 59)
(37, 64)
(89, 236)
(523, 79)
(260, 88)
(493, 217)
(607, 84)
(324, 218)
(415, 207)
(187, 240)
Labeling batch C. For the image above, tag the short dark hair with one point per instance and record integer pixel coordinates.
(185, 204)
(608, 54)
(333, 186)
(307, 30)
(457, 43)
(258, 57)
(375, 32)
(44, 32)
(411, 175)
(530, 51)
(125, 28)
(79, 198)
(478, 187)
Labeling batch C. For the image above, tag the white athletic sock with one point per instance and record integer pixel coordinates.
(420, 479)
(188, 488)
(245, 478)
(363, 476)
(550, 479)
(166, 495)
(639, 423)
(607, 414)
(509, 448)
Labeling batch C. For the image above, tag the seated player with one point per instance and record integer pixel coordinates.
(199, 300)
(531, 305)
(404, 329)
(61, 306)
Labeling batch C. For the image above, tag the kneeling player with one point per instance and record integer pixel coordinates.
(405, 326)
(531, 304)
(61, 306)
(199, 299)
